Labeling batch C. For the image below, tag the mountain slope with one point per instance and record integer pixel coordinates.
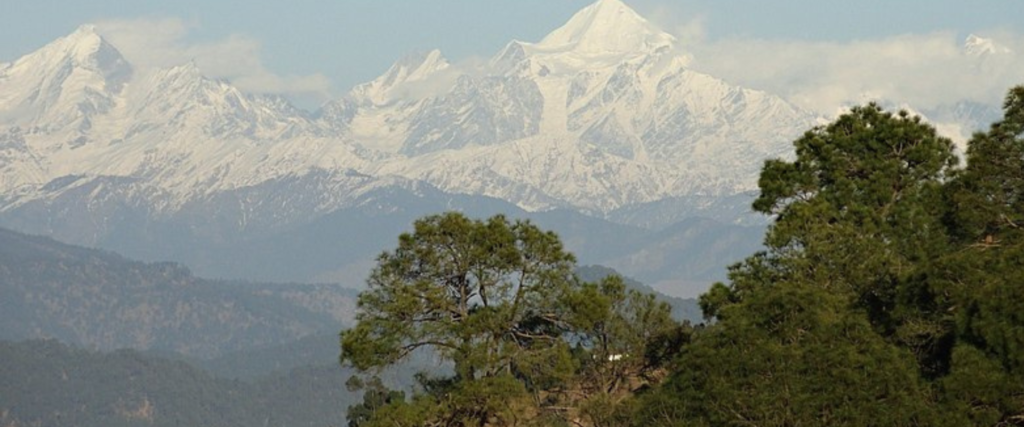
(100, 300)
(50, 384)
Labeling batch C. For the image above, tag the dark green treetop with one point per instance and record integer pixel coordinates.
(808, 331)
(881, 249)
(480, 293)
(983, 277)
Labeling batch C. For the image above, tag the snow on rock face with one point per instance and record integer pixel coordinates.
(978, 46)
(483, 111)
(182, 97)
(608, 26)
(413, 68)
(64, 84)
(598, 115)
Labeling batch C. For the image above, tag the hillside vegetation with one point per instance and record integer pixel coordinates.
(100, 300)
(46, 383)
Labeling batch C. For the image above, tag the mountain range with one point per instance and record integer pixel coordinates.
(601, 124)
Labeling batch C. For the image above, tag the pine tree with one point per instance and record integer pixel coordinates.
(984, 276)
(498, 302)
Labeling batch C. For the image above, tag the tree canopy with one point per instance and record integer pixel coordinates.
(891, 290)
(498, 301)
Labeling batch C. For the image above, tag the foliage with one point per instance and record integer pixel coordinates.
(791, 354)
(628, 327)
(984, 276)
(860, 205)
(375, 397)
(498, 300)
(683, 309)
(889, 294)
(482, 294)
(988, 197)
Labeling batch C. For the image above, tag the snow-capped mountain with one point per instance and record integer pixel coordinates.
(977, 46)
(600, 114)
(600, 131)
(64, 84)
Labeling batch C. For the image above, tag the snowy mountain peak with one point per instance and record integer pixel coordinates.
(83, 48)
(87, 32)
(608, 26)
(65, 82)
(513, 52)
(188, 70)
(977, 46)
(419, 61)
(413, 67)
(81, 44)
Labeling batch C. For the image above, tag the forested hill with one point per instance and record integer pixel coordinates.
(49, 384)
(100, 300)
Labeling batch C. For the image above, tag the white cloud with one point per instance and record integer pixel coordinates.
(148, 43)
(688, 30)
(921, 70)
(924, 71)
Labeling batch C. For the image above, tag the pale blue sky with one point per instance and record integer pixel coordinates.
(349, 41)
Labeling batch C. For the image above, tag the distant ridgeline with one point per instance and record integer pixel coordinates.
(45, 383)
(100, 300)
(196, 336)
(97, 299)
